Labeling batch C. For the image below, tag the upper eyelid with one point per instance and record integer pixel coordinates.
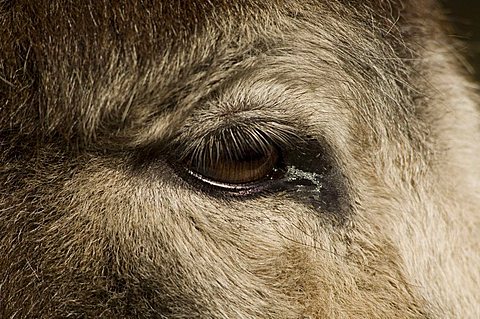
(263, 133)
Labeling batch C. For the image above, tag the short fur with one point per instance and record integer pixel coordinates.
(92, 228)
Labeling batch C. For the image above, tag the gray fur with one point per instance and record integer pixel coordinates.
(98, 98)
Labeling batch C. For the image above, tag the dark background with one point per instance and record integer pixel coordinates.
(465, 15)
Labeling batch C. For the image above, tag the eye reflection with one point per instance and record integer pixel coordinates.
(247, 166)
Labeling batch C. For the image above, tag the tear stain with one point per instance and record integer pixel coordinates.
(313, 178)
(301, 178)
(307, 186)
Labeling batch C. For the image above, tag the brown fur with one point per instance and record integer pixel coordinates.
(98, 98)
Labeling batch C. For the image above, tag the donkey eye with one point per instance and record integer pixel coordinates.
(237, 169)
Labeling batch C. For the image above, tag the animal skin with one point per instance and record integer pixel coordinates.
(236, 159)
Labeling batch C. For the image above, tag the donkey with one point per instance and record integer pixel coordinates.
(236, 159)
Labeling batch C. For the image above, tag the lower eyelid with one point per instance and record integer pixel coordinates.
(225, 186)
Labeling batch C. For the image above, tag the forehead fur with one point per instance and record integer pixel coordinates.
(84, 66)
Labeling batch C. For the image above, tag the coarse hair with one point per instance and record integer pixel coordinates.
(236, 159)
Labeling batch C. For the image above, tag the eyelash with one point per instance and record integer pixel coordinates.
(242, 148)
(233, 141)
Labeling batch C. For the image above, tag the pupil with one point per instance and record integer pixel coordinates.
(238, 167)
(250, 156)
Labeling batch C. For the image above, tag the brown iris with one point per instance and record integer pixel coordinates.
(244, 167)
